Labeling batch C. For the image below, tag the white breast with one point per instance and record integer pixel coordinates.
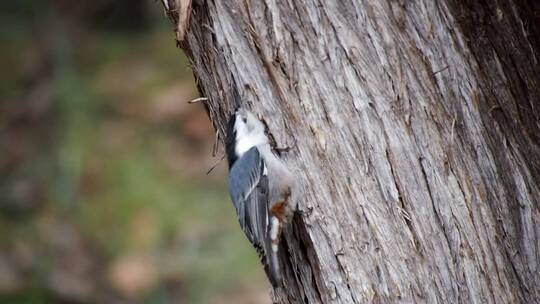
(244, 143)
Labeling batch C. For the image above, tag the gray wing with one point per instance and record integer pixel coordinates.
(248, 185)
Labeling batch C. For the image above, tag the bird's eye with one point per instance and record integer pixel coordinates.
(244, 119)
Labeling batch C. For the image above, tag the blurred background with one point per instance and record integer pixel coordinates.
(104, 196)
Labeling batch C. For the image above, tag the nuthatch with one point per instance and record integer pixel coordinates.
(261, 186)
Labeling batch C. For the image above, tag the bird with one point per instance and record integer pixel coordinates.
(261, 187)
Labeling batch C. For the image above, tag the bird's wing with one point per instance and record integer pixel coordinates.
(248, 185)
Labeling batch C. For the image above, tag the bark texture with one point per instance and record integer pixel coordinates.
(417, 131)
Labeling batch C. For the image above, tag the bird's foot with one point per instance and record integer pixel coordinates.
(287, 148)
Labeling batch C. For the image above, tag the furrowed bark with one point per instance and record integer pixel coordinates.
(417, 131)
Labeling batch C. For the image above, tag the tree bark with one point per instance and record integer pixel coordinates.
(417, 131)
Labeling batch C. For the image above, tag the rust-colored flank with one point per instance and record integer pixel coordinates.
(280, 208)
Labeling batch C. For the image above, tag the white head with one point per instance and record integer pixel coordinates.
(250, 131)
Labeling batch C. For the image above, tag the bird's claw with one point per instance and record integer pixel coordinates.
(287, 148)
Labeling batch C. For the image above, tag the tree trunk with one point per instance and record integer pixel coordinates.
(417, 131)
